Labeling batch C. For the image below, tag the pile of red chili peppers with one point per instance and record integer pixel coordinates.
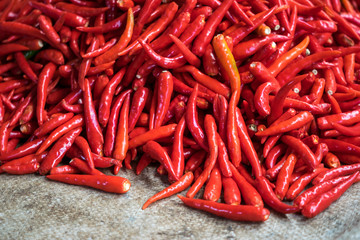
(246, 103)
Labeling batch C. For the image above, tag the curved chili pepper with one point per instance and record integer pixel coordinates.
(283, 178)
(25, 67)
(85, 148)
(204, 38)
(107, 97)
(93, 130)
(227, 63)
(223, 158)
(177, 154)
(121, 140)
(85, 63)
(83, 167)
(52, 123)
(195, 161)
(321, 202)
(188, 55)
(155, 151)
(233, 212)
(57, 152)
(247, 145)
(210, 129)
(164, 91)
(75, 122)
(270, 198)
(261, 98)
(44, 79)
(192, 120)
(178, 186)
(48, 29)
(105, 183)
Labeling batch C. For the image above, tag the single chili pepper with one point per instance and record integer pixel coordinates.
(25, 67)
(204, 38)
(93, 131)
(101, 50)
(233, 212)
(48, 29)
(4, 136)
(75, 122)
(188, 55)
(302, 149)
(9, 48)
(105, 183)
(192, 120)
(121, 140)
(213, 186)
(223, 158)
(64, 169)
(283, 179)
(209, 62)
(321, 202)
(144, 161)
(295, 122)
(107, 96)
(85, 148)
(20, 111)
(247, 145)
(233, 140)
(21, 169)
(180, 185)
(44, 79)
(137, 106)
(227, 62)
(210, 130)
(164, 91)
(177, 154)
(346, 118)
(163, 131)
(124, 40)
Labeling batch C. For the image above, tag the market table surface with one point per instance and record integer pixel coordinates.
(33, 207)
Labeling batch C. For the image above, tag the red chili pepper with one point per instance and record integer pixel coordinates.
(223, 158)
(124, 40)
(233, 212)
(164, 91)
(93, 130)
(210, 129)
(323, 201)
(64, 169)
(107, 97)
(57, 152)
(80, 10)
(121, 140)
(178, 186)
(213, 186)
(105, 183)
(75, 122)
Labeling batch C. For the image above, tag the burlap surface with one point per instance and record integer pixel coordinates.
(32, 207)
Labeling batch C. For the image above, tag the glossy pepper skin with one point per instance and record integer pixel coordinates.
(232, 212)
(113, 184)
